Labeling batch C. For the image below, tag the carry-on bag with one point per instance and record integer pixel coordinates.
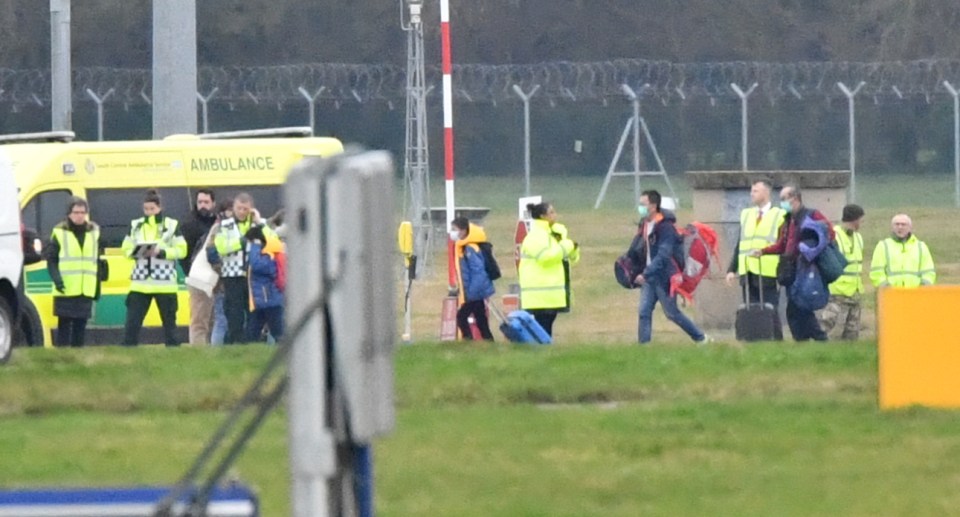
(756, 321)
(520, 327)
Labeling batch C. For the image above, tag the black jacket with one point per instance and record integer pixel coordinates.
(195, 231)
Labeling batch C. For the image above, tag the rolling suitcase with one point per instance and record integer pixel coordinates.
(756, 321)
(521, 327)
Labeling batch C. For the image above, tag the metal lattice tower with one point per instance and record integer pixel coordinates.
(416, 163)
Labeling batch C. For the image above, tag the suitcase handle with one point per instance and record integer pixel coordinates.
(746, 295)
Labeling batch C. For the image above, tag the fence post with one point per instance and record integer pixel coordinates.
(99, 101)
(203, 107)
(956, 141)
(312, 102)
(851, 103)
(744, 121)
(525, 97)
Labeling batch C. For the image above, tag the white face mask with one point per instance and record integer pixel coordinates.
(455, 235)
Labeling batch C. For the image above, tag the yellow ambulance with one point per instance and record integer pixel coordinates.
(113, 176)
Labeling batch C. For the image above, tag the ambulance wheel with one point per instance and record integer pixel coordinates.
(29, 328)
(6, 331)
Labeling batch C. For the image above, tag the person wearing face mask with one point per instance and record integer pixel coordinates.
(759, 225)
(543, 281)
(195, 230)
(73, 256)
(475, 284)
(155, 243)
(803, 323)
(846, 291)
(663, 249)
(902, 260)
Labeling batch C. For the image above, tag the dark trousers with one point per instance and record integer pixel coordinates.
(771, 295)
(236, 307)
(803, 324)
(137, 306)
(545, 318)
(478, 310)
(70, 331)
(271, 318)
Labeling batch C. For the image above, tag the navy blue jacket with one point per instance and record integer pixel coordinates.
(666, 249)
(262, 277)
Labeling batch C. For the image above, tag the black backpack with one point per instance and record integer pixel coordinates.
(489, 261)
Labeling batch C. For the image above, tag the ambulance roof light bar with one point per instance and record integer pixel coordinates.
(280, 132)
(46, 136)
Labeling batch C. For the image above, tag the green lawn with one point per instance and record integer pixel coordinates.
(498, 430)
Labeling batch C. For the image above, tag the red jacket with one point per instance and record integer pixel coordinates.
(788, 239)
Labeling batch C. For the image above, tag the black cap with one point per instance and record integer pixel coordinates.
(852, 213)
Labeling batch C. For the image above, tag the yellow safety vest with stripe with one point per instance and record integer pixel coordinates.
(851, 282)
(153, 274)
(229, 244)
(902, 264)
(756, 236)
(542, 282)
(77, 264)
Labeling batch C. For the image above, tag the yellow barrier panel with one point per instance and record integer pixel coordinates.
(919, 347)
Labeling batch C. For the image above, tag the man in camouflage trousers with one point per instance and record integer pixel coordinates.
(847, 291)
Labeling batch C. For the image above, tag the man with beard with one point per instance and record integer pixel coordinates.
(195, 231)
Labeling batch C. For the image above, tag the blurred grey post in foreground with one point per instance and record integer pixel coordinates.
(174, 67)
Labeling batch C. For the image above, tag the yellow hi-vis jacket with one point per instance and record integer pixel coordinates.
(542, 282)
(756, 236)
(77, 264)
(902, 264)
(155, 274)
(851, 282)
(230, 244)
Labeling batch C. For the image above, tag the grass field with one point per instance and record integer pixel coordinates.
(592, 426)
(497, 430)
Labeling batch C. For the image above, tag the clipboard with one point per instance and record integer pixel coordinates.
(144, 249)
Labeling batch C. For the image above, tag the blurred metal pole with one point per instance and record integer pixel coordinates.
(956, 141)
(851, 104)
(61, 88)
(526, 133)
(744, 121)
(174, 67)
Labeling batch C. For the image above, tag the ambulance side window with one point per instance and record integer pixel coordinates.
(45, 210)
(113, 209)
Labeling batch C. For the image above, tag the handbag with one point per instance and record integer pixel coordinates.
(630, 264)
(787, 270)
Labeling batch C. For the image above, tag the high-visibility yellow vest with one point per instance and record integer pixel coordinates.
(851, 282)
(902, 264)
(152, 274)
(78, 264)
(756, 236)
(229, 244)
(542, 282)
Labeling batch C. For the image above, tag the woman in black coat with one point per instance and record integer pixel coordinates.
(73, 261)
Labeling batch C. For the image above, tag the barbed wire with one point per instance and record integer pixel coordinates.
(557, 81)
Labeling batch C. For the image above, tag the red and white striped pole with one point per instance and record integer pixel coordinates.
(448, 132)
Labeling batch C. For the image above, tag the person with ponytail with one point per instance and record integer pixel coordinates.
(156, 244)
(544, 279)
